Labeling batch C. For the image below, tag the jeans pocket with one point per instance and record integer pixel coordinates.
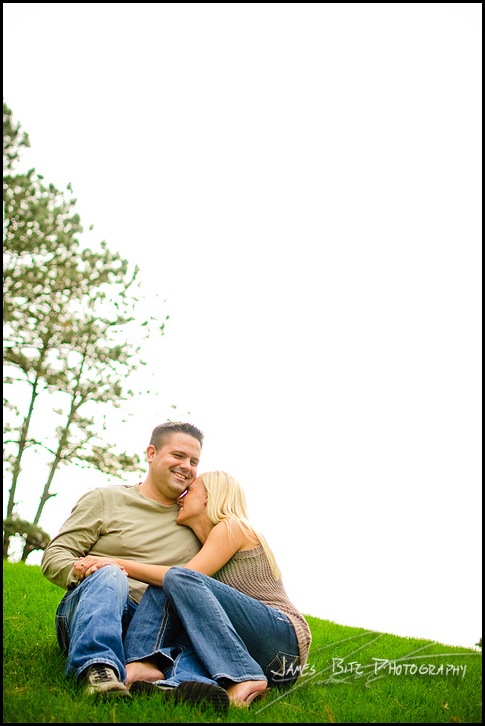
(284, 669)
(63, 634)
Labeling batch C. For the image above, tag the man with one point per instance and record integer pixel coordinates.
(124, 521)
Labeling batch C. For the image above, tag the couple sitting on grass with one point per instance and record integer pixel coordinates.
(215, 625)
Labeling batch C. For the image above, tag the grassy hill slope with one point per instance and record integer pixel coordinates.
(352, 676)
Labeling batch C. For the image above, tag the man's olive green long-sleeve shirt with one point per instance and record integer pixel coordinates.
(118, 521)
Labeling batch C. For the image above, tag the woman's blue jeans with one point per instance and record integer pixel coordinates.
(196, 628)
(92, 619)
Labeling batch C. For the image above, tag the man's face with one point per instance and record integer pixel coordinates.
(174, 465)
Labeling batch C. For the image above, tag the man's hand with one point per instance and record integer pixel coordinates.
(85, 566)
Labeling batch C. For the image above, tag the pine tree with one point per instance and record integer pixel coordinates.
(71, 336)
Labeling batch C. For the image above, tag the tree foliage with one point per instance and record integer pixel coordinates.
(72, 336)
(35, 537)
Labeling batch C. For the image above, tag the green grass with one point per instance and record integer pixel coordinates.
(37, 691)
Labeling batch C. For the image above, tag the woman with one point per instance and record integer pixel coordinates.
(225, 617)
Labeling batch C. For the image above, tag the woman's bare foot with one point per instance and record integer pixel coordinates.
(143, 670)
(242, 694)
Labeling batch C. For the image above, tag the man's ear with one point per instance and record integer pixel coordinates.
(150, 451)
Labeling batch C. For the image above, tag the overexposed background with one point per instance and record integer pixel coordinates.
(301, 185)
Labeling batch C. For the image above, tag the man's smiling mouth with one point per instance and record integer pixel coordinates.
(180, 476)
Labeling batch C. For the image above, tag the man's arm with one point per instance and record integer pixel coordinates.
(76, 537)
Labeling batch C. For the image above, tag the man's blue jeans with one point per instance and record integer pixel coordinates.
(196, 628)
(92, 619)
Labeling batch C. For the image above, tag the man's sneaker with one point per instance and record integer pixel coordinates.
(102, 680)
(194, 692)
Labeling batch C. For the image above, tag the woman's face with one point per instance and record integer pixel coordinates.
(192, 503)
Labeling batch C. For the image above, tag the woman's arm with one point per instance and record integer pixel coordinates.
(222, 542)
(218, 549)
(151, 574)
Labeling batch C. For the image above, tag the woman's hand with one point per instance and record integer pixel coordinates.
(85, 566)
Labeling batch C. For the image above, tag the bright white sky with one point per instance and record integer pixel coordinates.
(301, 183)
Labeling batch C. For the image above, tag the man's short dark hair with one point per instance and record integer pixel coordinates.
(161, 433)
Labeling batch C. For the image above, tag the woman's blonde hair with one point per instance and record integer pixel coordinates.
(226, 501)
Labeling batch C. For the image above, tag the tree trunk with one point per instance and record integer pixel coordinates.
(16, 467)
